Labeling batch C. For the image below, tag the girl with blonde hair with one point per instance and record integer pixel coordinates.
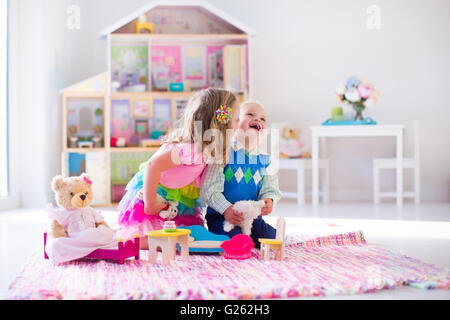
(175, 172)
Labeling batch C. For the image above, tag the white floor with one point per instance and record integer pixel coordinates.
(421, 232)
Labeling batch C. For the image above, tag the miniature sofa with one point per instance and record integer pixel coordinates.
(204, 240)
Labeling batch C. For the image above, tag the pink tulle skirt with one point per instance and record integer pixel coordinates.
(133, 220)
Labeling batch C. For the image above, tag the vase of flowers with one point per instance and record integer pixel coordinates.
(358, 93)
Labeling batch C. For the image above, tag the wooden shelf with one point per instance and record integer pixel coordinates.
(112, 149)
(83, 150)
(118, 183)
(150, 94)
(133, 149)
(155, 94)
(80, 95)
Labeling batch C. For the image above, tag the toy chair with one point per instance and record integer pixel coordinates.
(391, 163)
(276, 244)
(142, 24)
(167, 241)
(124, 250)
(301, 165)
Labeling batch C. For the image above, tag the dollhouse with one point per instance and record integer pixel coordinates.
(157, 57)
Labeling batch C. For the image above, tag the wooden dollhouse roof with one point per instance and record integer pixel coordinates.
(192, 11)
(92, 85)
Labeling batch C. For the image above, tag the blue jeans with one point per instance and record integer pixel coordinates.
(260, 229)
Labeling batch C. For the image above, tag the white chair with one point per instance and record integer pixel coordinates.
(390, 163)
(300, 165)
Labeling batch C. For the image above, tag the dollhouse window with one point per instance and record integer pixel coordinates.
(4, 99)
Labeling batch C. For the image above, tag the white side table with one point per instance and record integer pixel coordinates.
(300, 166)
(357, 131)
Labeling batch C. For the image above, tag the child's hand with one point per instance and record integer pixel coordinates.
(154, 208)
(233, 216)
(268, 207)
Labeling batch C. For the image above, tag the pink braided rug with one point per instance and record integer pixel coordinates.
(338, 264)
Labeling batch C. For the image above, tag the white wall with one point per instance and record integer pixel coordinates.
(302, 49)
(40, 44)
(33, 109)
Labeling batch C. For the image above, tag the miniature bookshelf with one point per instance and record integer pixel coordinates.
(113, 121)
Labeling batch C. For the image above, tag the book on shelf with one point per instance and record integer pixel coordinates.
(214, 67)
(235, 67)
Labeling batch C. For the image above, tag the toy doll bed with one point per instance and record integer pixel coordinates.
(124, 250)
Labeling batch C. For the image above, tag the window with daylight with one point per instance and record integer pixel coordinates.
(3, 98)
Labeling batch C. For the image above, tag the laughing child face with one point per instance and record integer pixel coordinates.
(252, 124)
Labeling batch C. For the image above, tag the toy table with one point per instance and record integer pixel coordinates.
(167, 241)
(356, 131)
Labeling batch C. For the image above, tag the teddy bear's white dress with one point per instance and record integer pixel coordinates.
(83, 236)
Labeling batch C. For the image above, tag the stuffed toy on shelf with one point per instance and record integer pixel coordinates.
(291, 145)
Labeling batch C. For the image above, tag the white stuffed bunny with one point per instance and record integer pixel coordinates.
(250, 210)
(171, 211)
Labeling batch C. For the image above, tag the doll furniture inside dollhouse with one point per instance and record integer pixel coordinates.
(157, 57)
(85, 123)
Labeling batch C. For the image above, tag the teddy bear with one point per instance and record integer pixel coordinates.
(70, 194)
(250, 210)
(171, 209)
(291, 145)
(76, 228)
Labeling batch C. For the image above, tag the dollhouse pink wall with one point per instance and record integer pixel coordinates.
(169, 56)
